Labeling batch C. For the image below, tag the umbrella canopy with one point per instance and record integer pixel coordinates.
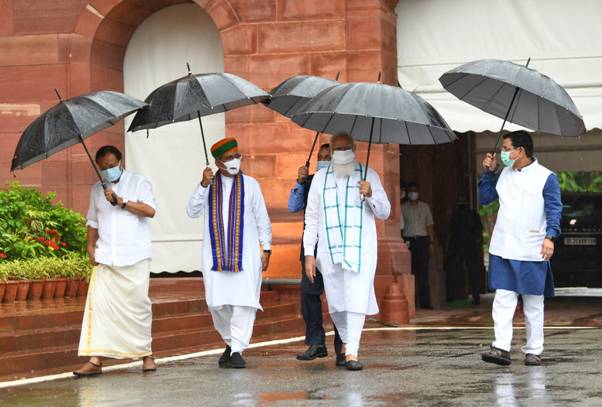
(194, 96)
(517, 93)
(70, 122)
(375, 113)
(294, 92)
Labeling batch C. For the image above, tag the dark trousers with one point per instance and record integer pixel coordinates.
(419, 247)
(311, 307)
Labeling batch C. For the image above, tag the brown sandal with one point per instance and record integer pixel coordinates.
(152, 368)
(87, 372)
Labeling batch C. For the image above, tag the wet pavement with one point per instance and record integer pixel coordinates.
(413, 367)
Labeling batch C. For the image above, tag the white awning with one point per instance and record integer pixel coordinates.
(561, 38)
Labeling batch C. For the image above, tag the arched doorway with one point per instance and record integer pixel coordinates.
(172, 156)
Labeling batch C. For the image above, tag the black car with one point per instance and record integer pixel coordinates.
(577, 260)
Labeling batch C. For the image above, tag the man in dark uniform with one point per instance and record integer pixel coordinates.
(311, 304)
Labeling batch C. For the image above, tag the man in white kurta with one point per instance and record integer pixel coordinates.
(117, 317)
(342, 223)
(232, 290)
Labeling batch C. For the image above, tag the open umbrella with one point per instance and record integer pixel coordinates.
(294, 92)
(375, 113)
(70, 122)
(194, 96)
(517, 94)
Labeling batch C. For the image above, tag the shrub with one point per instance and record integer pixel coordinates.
(32, 226)
(74, 266)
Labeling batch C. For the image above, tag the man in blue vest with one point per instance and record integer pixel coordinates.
(311, 304)
(522, 243)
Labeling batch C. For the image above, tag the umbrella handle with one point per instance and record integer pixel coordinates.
(104, 185)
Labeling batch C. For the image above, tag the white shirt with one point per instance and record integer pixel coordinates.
(417, 219)
(123, 237)
(229, 288)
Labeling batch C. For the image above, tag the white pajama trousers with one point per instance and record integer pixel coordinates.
(235, 325)
(504, 306)
(349, 325)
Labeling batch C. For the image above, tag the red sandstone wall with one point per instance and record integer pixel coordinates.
(77, 47)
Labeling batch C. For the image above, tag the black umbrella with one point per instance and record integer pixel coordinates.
(70, 122)
(517, 94)
(295, 92)
(375, 113)
(194, 96)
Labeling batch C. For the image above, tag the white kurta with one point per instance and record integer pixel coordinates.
(346, 290)
(235, 288)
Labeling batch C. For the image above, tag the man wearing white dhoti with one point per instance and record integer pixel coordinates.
(342, 224)
(236, 225)
(117, 318)
(522, 243)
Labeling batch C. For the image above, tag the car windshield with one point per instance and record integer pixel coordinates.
(582, 211)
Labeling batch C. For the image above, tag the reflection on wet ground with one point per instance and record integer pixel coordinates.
(422, 368)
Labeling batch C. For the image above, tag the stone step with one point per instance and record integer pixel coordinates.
(33, 339)
(52, 359)
(66, 312)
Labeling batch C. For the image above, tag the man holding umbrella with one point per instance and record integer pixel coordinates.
(311, 305)
(340, 219)
(236, 225)
(117, 318)
(522, 243)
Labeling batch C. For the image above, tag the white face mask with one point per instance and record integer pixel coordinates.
(413, 196)
(402, 194)
(233, 166)
(343, 157)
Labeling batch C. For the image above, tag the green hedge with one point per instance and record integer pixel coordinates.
(32, 226)
(72, 265)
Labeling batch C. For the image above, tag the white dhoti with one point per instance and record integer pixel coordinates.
(118, 318)
(504, 307)
(235, 325)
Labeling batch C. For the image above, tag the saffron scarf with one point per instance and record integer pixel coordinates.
(344, 227)
(226, 246)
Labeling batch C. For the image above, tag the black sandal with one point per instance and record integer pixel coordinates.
(497, 356)
(79, 373)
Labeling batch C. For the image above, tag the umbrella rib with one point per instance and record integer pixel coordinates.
(328, 122)
(380, 131)
(474, 87)
(431, 133)
(353, 125)
(407, 132)
(493, 96)
(462, 76)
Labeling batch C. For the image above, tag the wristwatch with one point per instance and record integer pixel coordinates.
(268, 251)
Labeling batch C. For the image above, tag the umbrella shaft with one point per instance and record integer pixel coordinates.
(369, 147)
(203, 137)
(311, 152)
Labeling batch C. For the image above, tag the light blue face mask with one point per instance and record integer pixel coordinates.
(112, 174)
(506, 160)
(322, 164)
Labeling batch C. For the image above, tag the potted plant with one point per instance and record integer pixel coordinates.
(85, 274)
(38, 275)
(3, 279)
(71, 273)
(50, 265)
(22, 275)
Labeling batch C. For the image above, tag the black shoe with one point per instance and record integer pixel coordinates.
(497, 356)
(532, 360)
(236, 361)
(354, 365)
(314, 351)
(341, 362)
(225, 358)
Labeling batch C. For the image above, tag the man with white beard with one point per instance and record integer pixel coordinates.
(340, 217)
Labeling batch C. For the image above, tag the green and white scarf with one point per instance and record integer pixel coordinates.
(344, 226)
